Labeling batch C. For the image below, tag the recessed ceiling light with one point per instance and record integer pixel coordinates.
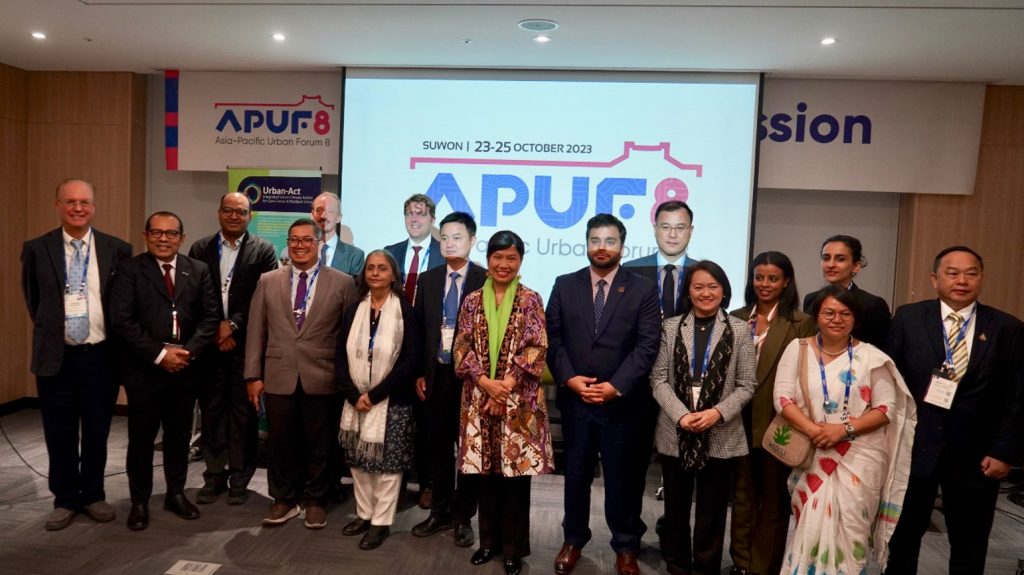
(39, 36)
(279, 37)
(542, 39)
(828, 41)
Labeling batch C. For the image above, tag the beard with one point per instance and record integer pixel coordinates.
(613, 259)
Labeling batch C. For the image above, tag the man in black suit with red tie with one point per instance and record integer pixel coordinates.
(164, 315)
(438, 299)
(230, 427)
(604, 329)
(962, 361)
(65, 277)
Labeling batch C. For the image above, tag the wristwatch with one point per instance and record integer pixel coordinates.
(849, 432)
(233, 325)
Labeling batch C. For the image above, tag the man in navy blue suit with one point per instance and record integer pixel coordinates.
(673, 229)
(962, 361)
(603, 327)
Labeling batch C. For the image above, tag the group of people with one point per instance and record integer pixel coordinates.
(416, 357)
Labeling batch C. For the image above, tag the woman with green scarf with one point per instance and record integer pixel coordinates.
(505, 438)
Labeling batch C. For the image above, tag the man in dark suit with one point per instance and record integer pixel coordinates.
(415, 255)
(339, 255)
(604, 328)
(962, 361)
(164, 314)
(230, 428)
(673, 228)
(438, 300)
(64, 276)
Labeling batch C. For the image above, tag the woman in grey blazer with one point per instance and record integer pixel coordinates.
(703, 377)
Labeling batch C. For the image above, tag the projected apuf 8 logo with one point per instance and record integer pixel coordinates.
(445, 186)
(246, 118)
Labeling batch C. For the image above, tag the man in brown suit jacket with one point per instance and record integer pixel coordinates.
(291, 341)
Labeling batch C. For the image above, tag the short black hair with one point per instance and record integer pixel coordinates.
(605, 221)
(672, 206)
(460, 218)
(951, 249)
(716, 272)
(843, 296)
(165, 214)
(504, 239)
(789, 298)
(851, 242)
(317, 232)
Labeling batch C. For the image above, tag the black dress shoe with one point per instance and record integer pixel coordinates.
(464, 535)
(482, 555)
(181, 506)
(431, 525)
(355, 527)
(374, 537)
(138, 517)
(513, 566)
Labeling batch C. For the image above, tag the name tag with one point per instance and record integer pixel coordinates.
(941, 390)
(447, 336)
(76, 305)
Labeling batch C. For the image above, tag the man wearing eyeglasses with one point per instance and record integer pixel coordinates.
(164, 312)
(230, 428)
(294, 322)
(65, 278)
(339, 255)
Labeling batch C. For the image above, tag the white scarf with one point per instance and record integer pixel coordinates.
(362, 433)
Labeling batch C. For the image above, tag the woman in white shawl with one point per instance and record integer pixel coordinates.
(861, 420)
(377, 358)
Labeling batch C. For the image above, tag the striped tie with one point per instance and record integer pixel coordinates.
(959, 349)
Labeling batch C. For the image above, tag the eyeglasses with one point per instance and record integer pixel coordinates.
(77, 203)
(679, 228)
(832, 315)
(240, 212)
(169, 234)
(304, 242)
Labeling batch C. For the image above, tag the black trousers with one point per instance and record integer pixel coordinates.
(453, 497)
(301, 432)
(230, 435)
(969, 504)
(703, 554)
(80, 397)
(504, 513)
(760, 513)
(168, 401)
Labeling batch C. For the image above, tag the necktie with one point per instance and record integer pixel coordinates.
(169, 280)
(410, 278)
(668, 292)
(323, 254)
(300, 300)
(959, 349)
(599, 303)
(451, 310)
(78, 326)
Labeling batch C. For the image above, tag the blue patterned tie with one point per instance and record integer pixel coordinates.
(451, 310)
(599, 303)
(78, 327)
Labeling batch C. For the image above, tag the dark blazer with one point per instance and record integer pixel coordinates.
(399, 385)
(398, 251)
(349, 259)
(256, 256)
(140, 314)
(43, 269)
(621, 352)
(986, 417)
(760, 411)
(647, 266)
(429, 303)
(874, 321)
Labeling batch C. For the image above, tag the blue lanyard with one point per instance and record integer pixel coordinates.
(948, 364)
(828, 405)
(707, 352)
(309, 289)
(220, 256)
(85, 268)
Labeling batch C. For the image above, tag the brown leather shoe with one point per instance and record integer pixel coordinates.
(625, 563)
(567, 557)
(426, 498)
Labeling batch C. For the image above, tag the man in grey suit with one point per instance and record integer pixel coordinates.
(339, 255)
(65, 275)
(289, 363)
